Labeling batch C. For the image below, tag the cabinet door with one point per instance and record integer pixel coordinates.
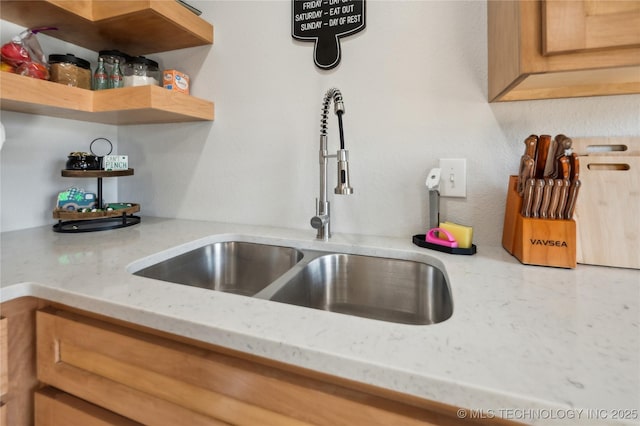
(583, 25)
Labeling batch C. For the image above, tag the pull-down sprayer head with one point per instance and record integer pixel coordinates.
(344, 186)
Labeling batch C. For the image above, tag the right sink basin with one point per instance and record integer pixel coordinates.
(394, 290)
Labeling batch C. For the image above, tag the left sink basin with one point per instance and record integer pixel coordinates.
(232, 266)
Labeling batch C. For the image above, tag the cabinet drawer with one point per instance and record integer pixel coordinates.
(158, 381)
(55, 408)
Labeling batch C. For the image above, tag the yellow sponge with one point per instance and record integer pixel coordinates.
(462, 234)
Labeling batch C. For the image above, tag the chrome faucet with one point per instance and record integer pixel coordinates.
(321, 221)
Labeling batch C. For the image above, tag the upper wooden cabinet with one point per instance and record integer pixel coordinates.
(563, 48)
(136, 27)
(573, 26)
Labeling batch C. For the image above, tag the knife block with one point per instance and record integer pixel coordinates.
(545, 242)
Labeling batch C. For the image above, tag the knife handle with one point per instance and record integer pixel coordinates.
(564, 168)
(542, 151)
(526, 170)
(574, 167)
(527, 198)
(555, 198)
(546, 198)
(550, 165)
(530, 144)
(537, 198)
(564, 194)
(563, 143)
(572, 199)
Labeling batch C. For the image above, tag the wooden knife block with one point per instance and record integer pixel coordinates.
(544, 242)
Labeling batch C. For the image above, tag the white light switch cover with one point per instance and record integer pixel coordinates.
(453, 177)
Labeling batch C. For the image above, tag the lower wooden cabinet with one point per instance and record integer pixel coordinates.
(18, 360)
(155, 380)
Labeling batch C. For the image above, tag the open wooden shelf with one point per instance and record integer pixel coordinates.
(128, 105)
(96, 173)
(138, 27)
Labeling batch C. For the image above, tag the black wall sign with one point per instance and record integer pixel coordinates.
(325, 22)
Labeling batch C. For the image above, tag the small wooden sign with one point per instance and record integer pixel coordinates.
(325, 22)
(116, 162)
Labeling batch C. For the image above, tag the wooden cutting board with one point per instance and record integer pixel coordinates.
(608, 208)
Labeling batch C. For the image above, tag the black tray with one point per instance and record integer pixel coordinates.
(91, 225)
(419, 240)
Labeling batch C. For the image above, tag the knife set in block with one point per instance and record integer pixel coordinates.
(538, 223)
(537, 241)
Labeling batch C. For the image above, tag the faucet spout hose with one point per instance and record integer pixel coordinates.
(339, 113)
(335, 95)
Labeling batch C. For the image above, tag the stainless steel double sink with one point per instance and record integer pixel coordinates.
(386, 289)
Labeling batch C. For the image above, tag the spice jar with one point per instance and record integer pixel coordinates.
(141, 71)
(70, 70)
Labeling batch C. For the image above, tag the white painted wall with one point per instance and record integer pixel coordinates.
(415, 88)
(32, 157)
(36, 150)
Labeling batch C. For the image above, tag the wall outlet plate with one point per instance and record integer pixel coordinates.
(453, 180)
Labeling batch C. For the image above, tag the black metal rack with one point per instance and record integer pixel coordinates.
(72, 221)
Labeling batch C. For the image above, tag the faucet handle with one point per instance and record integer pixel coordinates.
(319, 221)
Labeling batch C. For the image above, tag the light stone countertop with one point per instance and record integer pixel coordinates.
(533, 344)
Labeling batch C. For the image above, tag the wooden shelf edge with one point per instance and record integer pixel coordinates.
(24, 90)
(129, 105)
(152, 97)
(96, 173)
(101, 24)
